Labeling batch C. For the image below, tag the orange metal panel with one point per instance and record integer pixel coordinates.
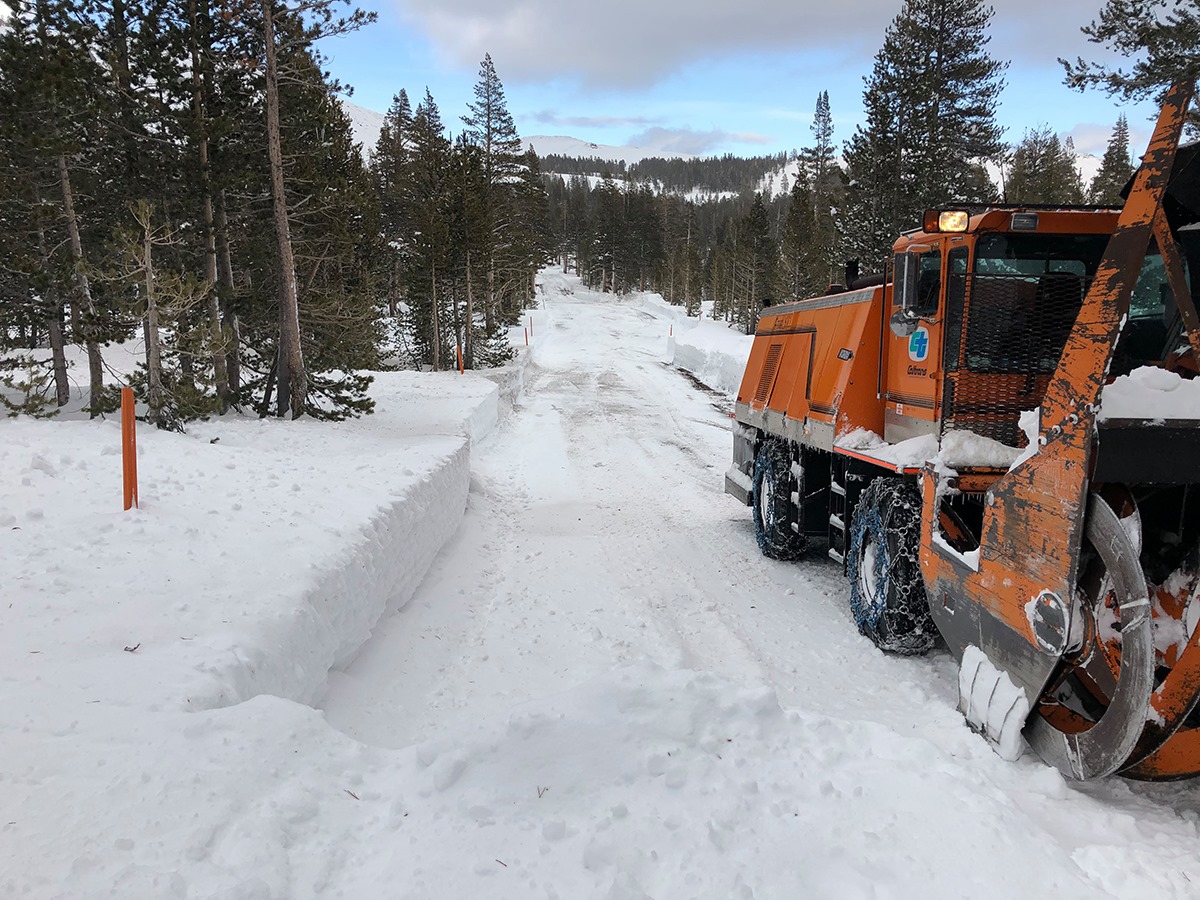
(818, 358)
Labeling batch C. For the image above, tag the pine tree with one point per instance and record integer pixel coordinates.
(1161, 37)
(759, 265)
(1043, 170)
(826, 193)
(55, 94)
(607, 258)
(1115, 168)
(389, 163)
(318, 21)
(532, 238)
(877, 197)
(801, 253)
(428, 202)
(930, 105)
(645, 236)
(489, 126)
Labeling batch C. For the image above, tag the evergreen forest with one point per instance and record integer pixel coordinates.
(181, 173)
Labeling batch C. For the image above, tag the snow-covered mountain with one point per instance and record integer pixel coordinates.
(366, 124)
(780, 181)
(561, 145)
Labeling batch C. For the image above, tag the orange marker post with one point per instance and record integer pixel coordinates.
(129, 448)
(458, 348)
(526, 337)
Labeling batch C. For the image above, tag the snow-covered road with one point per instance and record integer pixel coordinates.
(596, 533)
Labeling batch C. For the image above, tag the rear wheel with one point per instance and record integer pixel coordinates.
(887, 592)
(775, 480)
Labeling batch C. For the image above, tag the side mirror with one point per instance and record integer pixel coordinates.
(903, 323)
(905, 280)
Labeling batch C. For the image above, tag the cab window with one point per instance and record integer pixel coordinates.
(929, 283)
(918, 282)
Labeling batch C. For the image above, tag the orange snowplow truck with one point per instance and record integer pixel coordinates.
(941, 426)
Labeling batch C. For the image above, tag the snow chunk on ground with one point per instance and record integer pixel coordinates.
(1151, 393)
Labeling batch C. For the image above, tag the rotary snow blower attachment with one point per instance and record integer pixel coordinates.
(942, 426)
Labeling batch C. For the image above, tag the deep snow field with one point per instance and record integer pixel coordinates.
(506, 638)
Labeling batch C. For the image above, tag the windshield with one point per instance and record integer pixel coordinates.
(1039, 254)
(1029, 288)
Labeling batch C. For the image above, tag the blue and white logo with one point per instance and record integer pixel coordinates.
(918, 344)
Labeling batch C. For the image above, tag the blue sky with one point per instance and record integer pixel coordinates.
(673, 75)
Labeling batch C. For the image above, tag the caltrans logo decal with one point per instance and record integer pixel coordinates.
(918, 344)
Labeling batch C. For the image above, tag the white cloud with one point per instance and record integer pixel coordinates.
(1092, 138)
(549, 117)
(690, 141)
(632, 43)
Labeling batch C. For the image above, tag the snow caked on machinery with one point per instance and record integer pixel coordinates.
(941, 426)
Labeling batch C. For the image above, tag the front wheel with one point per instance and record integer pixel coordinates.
(775, 480)
(887, 592)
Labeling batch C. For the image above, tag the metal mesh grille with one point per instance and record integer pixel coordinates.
(768, 373)
(1005, 334)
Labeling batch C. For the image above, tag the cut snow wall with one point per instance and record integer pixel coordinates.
(511, 381)
(291, 654)
(712, 351)
(714, 364)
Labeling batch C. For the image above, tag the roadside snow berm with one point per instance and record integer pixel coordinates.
(1000, 439)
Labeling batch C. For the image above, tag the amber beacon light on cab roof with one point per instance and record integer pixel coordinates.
(940, 427)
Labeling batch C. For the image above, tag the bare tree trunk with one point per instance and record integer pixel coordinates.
(293, 382)
(217, 337)
(489, 307)
(154, 399)
(264, 408)
(687, 270)
(437, 333)
(54, 322)
(83, 292)
(187, 369)
(394, 286)
(54, 325)
(469, 340)
(233, 361)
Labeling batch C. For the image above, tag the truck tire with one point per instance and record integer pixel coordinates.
(774, 511)
(887, 591)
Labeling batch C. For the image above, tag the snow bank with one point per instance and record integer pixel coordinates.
(262, 555)
(715, 354)
(225, 510)
(712, 351)
(1151, 393)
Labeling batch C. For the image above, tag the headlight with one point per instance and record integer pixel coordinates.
(953, 220)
